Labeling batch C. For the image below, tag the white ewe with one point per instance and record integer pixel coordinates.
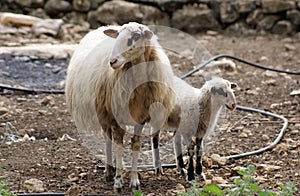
(119, 76)
(200, 109)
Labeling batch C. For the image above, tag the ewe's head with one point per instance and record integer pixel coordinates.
(130, 43)
(223, 92)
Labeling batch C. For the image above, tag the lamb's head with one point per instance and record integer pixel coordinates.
(130, 43)
(222, 90)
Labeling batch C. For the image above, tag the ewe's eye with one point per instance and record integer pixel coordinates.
(136, 36)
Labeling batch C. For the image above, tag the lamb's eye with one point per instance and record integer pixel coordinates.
(131, 48)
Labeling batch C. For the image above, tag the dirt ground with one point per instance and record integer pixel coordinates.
(63, 164)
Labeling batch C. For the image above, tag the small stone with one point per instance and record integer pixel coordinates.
(218, 159)
(81, 5)
(193, 20)
(235, 151)
(63, 168)
(180, 188)
(78, 190)
(245, 6)
(48, 100)
(283, 27)
(251, 92)
(72, 178)
(268, 22)
(219, 180)
(289, 47)
(271, 82)
(275, 6)
(43, 112)
(3, 111)
(21, 99)
(295, 132)
(261, 179)
(278, 176)
(263, 59)
(268, 167)
(212, 33)
(238, 168)
(265, 137)
(55, 7)
(33, 185)
(275, 105)
(82, 175)
(254, 17)
(271, 74)
(228, 12)
(295, 92)
(243, 135)
(177, 191)
(239, 128)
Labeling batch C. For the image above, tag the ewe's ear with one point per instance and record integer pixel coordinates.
(111, 33)
(233, 85)
(148, 34)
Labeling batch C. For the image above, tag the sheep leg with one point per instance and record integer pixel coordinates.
(178, 154)
(118, 135)
(199, 158)
(136, 148)
(109, 169)
(190, 170)
(156, 156)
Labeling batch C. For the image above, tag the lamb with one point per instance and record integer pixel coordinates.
(200, 110)
(119, 76)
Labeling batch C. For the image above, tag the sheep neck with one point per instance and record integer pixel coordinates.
(145, 94)
(210, 107)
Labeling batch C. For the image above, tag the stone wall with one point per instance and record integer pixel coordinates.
(192, 16)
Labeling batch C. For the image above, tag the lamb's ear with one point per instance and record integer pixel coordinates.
(233, 85)
(111, 33)
(148, 34)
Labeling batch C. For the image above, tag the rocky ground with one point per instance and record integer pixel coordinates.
(62, 162)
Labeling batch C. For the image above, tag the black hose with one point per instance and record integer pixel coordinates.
(240, 60)
(31, 91)
(34, 91)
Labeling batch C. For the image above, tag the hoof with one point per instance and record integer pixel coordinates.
(109, 174)
(159, 171)
(134, 183)
(202, 176)
(183, 172)
(109, 178)
(118, 185)
(191, 177)
(136, 187)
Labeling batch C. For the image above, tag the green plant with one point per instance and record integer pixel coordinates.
(138, 193)
(244, 185)
(207, 190)
(247, 184)
(4, 191)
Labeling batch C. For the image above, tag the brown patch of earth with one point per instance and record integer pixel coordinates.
(63, 164)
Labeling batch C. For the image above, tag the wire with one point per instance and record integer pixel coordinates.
(31, 91)
(274, 143)
(240, 60)
(202, 65)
